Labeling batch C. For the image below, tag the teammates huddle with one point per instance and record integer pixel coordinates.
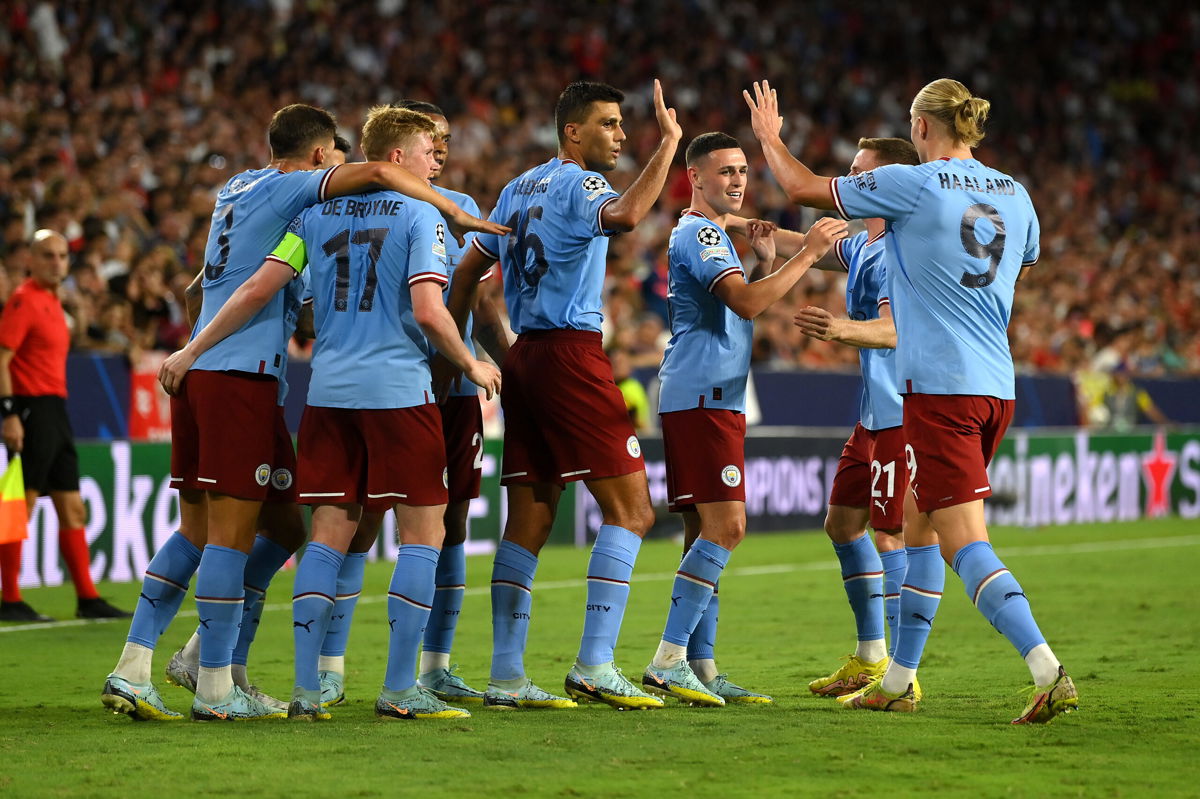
(372, 246)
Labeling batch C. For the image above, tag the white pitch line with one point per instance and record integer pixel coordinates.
(746, 571)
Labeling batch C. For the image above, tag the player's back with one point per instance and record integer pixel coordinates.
(554, 259)
(707, 360)
(363, 253)
(954, 258)
(251, 215)
(866, 290)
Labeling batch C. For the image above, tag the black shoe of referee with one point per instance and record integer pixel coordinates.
(98, 608)
(20, 611)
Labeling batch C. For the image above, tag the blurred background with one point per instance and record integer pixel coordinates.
(119, 122)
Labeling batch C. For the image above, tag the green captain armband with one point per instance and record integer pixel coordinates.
(291, 251)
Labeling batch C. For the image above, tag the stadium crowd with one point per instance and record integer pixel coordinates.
(119, 122)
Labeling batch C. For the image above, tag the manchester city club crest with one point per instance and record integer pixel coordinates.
(262, 475)
(731, 476)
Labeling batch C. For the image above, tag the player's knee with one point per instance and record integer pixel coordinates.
(889, 540)
(732, 533)
(840, 530)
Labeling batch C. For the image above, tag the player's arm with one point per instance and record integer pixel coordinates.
(430, 313)
(357, 178)
(800, 183)
(305, 322)
(193, 298)
(625, 212)
(872, 334)
(787, 244)
(748, 300)
(464, 288)
(248, 300)
(13, 429)
(489, 328)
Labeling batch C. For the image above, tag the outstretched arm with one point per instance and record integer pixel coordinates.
(872, 334)
(630, 208)
(801, 185)
(248, 300)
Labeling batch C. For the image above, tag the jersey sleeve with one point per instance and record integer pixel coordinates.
(888, 192)
(291, 250)
(708, 254)
(468, 204)
(489, 243)
(295, 191)
(14, 323)
(1033, 244)
(587, 193)
(427, 247)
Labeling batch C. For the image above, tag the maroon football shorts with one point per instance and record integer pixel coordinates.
(376, 458)
(953, 438)
(872, 474)
(283, 475)
(462, 432)
(564, 417)
(224, 434)
(706, 457)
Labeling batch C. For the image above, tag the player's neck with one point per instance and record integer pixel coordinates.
(568, 152)
(288, 165)
(700, 206)
(945, 149)
(875, 226)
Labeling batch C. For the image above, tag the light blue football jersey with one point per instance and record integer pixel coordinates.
(364, 252)
(252, 213)
(554, 260)
(454, 254)
(959, 234)
(707, 361)
(881, 406)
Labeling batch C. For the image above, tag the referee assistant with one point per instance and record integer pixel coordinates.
(33, 401)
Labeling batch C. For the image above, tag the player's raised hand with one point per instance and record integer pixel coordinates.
(762, 240)
(486, 377)
(174, 369)
(764, 111)
(462, 223)
(824, 234)
(815, 322)
(666, 116)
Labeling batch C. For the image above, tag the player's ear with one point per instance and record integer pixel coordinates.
(694, 177)
(318, 156)
(571, 131)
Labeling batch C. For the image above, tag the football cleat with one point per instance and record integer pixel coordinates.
(680, 682)
(736, 694)
(873, 697)
(415, 703)
(268, 700)
(98, 608)
(1050, 700)
(612, 688)
(528, 697)
(20, 611)
(236, 706)
(306, 706)
(182, 673)
(854, 675)
(332, 688)
(448, 686)
(141, 702)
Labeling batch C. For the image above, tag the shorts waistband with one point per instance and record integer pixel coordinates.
(584, 336)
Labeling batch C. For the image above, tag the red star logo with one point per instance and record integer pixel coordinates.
(1158, 467)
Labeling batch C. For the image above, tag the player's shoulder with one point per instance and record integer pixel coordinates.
(569, 176)
(461, 198)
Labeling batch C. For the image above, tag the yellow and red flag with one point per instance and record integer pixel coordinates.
(13, 514)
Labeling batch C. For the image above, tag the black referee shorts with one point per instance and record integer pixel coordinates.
(49, 459)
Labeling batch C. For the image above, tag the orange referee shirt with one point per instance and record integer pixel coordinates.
(34, 327)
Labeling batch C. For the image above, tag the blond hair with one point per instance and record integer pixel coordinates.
(952, 104)
(387, 128)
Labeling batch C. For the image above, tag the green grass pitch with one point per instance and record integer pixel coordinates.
(1114, 601)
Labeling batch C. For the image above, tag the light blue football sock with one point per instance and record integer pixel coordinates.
(512, 597)
(349, 587)
(609, 570)
(702, 644)
(997, 595)
(219, 596)
(693, 588)
(920, 595)
(163, 589)
(450, 579)
(266, 559)
(312, 604)
(409, 600)
(895, 563)
(862, 577)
